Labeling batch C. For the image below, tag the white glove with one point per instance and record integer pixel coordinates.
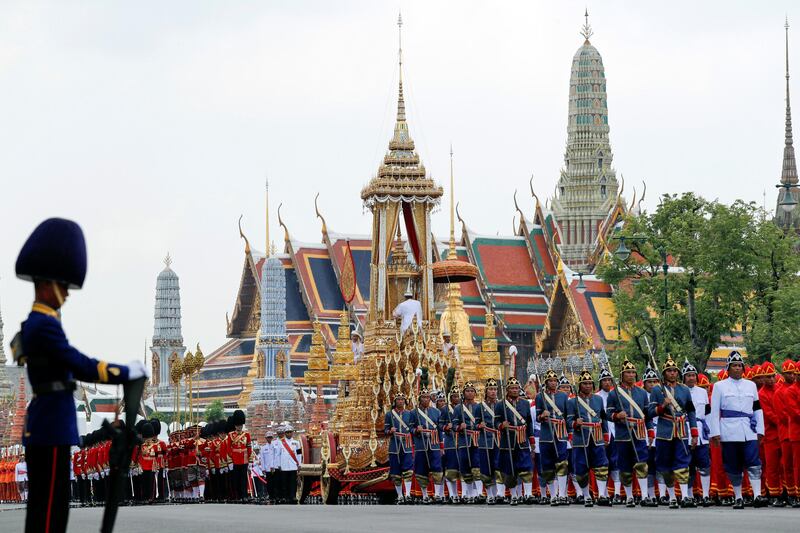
(137, 370)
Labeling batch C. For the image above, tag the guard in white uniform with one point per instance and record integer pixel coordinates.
(700, 461)
(21, 477)
(407, 310)
(289, 459)
(736, 422)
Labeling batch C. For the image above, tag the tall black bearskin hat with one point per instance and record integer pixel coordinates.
(156, 423)
(238, 417)
(147, 430)
(230, 425)
(55, 251)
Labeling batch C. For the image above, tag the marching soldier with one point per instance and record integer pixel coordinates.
(467, 436)
(650, 380)
(452, 465)
(771, 441)
(489, 419)
(161, 461)
(516, 427)
(606, 380)
(790, 393)
(700, 462)
(241, 449)
(587, 419)
(54, 259)
(396, 424)
(627, 409)
(551, 406)
(672, 403)
(737, 424)
(424, 423)
(148, 458)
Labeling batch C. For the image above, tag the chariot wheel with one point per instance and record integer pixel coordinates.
(329, 488)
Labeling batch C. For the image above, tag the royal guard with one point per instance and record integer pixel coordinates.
(396, 425)
(736, 423)
(650, 380)
(700, 462)
(606, 385)
(148, 462)
(467, 437)
(161, 461)
(424, 424)
(672, 403)
(515, 457)
(626, 407)
(551, 406)
(241, 449)
(781, 404)
(174, 477)
(450, 459)
(586, 418)
(489, 419)
(792, 395)
(771, 444)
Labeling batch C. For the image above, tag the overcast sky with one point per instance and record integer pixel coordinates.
(154, 125)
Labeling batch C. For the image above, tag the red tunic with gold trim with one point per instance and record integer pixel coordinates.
(240, 447)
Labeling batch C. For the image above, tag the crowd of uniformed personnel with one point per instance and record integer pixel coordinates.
(216, 462)
(663, 440)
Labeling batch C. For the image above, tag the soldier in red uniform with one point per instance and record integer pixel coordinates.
(793, 409)
(161, 461)
(148, 462)
(771, 443)
(174, 476)
(241, 450)
(780, 404)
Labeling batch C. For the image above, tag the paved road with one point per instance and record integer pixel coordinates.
(351, 519)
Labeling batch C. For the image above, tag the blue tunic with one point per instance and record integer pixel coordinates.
(424, 440)
(666, 420)
(50, 419)
(398, 444)
(582, 436)
(617, 403)
(560, 399)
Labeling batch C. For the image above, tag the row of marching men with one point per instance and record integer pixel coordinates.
(13, 475)
(668, 440)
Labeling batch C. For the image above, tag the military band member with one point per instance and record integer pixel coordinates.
(467, 439)
(516, 432)
(551, 406)
(54, 259)
(587, 420)
(627, 409)
(396, 424)
(241, 449)
(424, 424)
(672, 403)
(700, 462)
(737, 423)
(489, 418)
(450, 458)
(148, 456)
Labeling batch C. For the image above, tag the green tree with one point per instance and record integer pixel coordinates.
(215, 411)
(166, 418)
(729, 262)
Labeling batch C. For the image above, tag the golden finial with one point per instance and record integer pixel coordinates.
(586, 31)
(241, 234)
(401, 105)
(167, 260)
(452, 254)
(319, 216)
(285, 229)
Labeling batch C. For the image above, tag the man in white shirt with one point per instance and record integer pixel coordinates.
(407, 310)
(290, 458)
(267, 458)
(700, 457)
(736, 422)
(277, 473)
(21, 477)
(357, 344)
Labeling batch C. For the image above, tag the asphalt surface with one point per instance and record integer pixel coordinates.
(219, 518)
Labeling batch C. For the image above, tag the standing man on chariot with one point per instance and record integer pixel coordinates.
(737, 424)
(587, 420)
(551, 406)
(407, 310)
(672, 403)
(397, 425)
(424, 424)
(516, 430)
(467, 438)
(627, 409)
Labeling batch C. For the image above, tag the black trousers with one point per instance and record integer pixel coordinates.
(162, 485)
(239, 482)
(148, 485)
(48, 482)
(289, 485)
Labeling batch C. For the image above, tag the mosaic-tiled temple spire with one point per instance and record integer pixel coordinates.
(790, 220)
(587, 188)
(167, 345)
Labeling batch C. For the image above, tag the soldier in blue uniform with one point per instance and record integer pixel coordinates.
(587, 420)
(450, 459)
(489, 418)
(516, 427)
(606, 384)
(650, 380)
(627, 409)
(466, 423)
(551, 409)
(54, 259)
(700, 463)
(427, 452)
(397, 425)
(672, 403)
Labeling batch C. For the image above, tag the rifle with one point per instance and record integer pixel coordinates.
(667, 393)
(505, 419)
(123, 440)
